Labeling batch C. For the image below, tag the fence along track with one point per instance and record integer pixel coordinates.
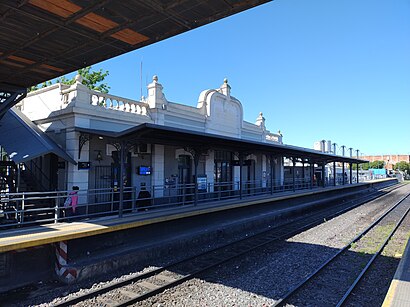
(313, 275)
(190, 267)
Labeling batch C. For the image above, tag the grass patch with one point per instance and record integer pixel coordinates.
(372, 242)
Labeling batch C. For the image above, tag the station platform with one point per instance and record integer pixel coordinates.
(75, 251)
(27, 237)
(399, 291)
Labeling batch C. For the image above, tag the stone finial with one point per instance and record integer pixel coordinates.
(260, 120)
(225, 88)
(78, 79)
(156, 98)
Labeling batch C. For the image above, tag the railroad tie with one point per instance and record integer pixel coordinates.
(147, 285)
(165, 278)
(128, 294)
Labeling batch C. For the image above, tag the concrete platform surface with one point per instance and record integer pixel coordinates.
(399, 291)
(94, 247)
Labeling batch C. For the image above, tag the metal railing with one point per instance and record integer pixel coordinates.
(34, 208)
(36, 174)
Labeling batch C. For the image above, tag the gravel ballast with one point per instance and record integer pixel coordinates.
(263, 276)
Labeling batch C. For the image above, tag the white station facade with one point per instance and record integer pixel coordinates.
(62, 112)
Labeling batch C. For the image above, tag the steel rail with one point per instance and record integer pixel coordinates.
(371, 261)
(216, 262)
(318, 218)
(295, 289)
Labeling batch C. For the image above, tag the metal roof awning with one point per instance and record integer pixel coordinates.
(24, 141)
(44, 39)
(157, 134)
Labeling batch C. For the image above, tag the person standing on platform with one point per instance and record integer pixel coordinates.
(71, 202)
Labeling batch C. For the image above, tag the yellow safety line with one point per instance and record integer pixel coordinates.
(388, 300)
(398, 276)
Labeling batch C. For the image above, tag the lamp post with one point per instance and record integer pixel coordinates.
(343, 165)
(334, 165)
(357, 166)
(387, 166)
(364, 155)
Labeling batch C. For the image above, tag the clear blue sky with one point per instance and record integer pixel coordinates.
(317, 69)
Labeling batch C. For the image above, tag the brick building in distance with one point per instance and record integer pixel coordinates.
(389, 160)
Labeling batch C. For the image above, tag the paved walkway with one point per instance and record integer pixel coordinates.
(399, 291)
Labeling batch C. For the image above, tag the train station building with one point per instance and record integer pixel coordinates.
(78, 119)
(77, 137)
(86, 131)
(113, 149)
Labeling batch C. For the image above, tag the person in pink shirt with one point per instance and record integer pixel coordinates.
(71, 202)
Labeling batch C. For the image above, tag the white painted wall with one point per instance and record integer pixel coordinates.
(61, 109)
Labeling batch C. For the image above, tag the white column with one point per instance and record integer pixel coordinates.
(76, 177)
(158, 161)
(280, 172)
(209, 169)
(264, 172)
(237, 175)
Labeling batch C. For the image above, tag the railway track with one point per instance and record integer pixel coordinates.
(146, 285)
(303, 292)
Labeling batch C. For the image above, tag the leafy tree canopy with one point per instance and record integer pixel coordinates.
(402, 166)
(354, 166)
(365, 166)
(377, 164)
(92, 79)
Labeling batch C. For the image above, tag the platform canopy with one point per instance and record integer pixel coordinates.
(24, 141)
(44, 39)
(157, 134)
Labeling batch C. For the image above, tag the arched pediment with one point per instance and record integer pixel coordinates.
(224, 113)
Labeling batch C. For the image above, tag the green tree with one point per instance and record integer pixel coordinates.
(354, 166)
(365, 166)
(377, 164)
(38, 86)
(402, 166)
(92, 79)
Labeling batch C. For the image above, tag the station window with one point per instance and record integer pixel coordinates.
(223, 166)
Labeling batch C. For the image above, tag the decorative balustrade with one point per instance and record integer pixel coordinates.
(104, 100)
(118, 103)
(272, 138)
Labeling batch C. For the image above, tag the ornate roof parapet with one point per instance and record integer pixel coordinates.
(156, 98)
(77, 93)
(260, 121)
(225, 88)
(78, 79)
(223, 112)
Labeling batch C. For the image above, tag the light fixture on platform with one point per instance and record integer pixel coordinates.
(99, 156)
